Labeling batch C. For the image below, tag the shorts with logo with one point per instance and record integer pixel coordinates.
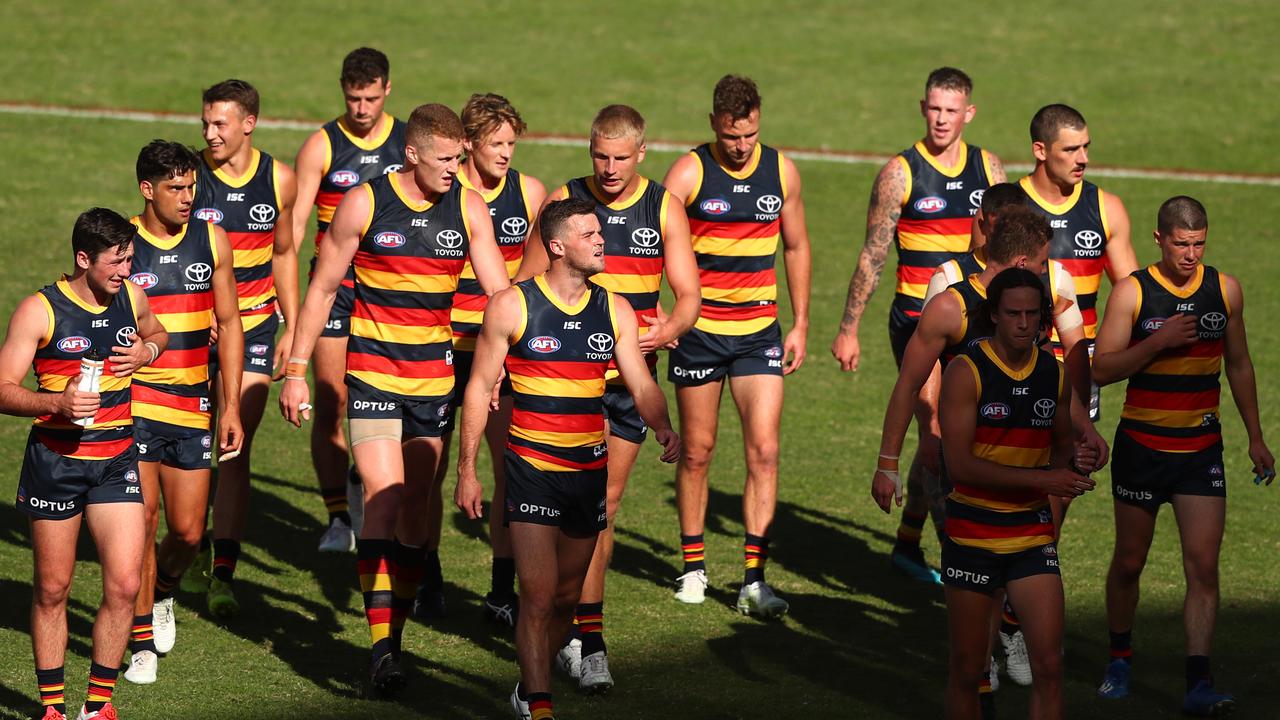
(702, 357)
(56, 487)
(1148, 478)
(420, 417)
(983, 571)
(339, 323)
(158, 443)
(900, 332)
(571, 501)
(259, 349)
(621, 414)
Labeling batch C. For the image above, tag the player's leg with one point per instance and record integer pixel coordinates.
(1135, 527)
(967, 612)
(186, 495)
(501, 604)
(118, 529)
(699, 409)
(143, 653)
(424, 490)
(907, 556)
(53, 549)
(1201, 519)
(1041, 601)
(329, 454)
(759, 401)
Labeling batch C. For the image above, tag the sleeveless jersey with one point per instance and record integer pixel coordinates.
(406, 270)
(963, 266)
(75, 327)
(1080, 235)
(1015, 428)
(247, 208)
(350, 160)
(511, 214)
(969, 293)
(735, 220)
(557, 367)
(1172, 403)
(937, 216)
(177, 275)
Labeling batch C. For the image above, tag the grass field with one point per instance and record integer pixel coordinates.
(1182, 85)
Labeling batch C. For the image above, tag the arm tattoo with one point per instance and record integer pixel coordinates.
(997, 171)
(882, 225)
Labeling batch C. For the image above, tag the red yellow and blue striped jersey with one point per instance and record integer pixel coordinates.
(1172, 403)
(1016, 409)
(735, 220)
(512, 215)
(246, 208)
(969, 293)
(177, 276)
(938, 205)
(351, 160)
(406, 270)
(75, 328)
(557, 367)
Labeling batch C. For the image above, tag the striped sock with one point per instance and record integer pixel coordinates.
(1122, 645)
(140, 636)
(984, 685)
(694, 551)
(165, 583)
(225, 554)
(407, 573)
(589, 618)
(335, 502)
(756, 551)
(376, 568)
(1009, 620)
(910, 527)
(540, 706)
(51, 683)
(102, 682)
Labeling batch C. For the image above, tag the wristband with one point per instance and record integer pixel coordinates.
(892, 458)
(299, 378)
(295, 369)
(155, 351)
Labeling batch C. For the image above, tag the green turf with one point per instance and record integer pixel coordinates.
(1182, 85)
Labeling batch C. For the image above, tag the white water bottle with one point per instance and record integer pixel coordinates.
(90, 380)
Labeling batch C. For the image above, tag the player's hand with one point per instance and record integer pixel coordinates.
(886, 487)
(656, 337)
(495, 399)
(230, 432)
(295, 401)
(670, 441)
(793, 349)
(75, 403)
(1091, 453)
(128, 358)
(1264, 465)
(468, 495)
(1177, 331)
(1061, 482)
(846, 350)
(213, 329)
(284, 346)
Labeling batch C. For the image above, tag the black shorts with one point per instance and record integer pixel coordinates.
(156, 442)
(259, 348)
(621, 414)
(702, 357)
(571, 501)
(900, 331)
(339, 323)
(983, 571)
(420, 417)
(1148, 478)
(56, 487)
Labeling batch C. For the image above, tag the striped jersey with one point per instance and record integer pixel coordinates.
(509, 208)
(1016, 408)
(75, 328)
(351, 160)
(247, 208)
(735, 220)
(969, 293)
(177, 276)
(406, 270)
(1172, 403)
(938, 206)
(557, 366)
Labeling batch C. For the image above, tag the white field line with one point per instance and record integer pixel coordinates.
(829, 156)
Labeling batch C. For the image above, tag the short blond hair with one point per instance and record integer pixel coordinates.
(618, 121)
(485, 113)
(432, 120)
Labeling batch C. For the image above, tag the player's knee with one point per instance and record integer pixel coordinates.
(1047, 664)
(49, 592)
(187, 535)
(1128, 567)
(538, 607)
(696, 455)
(762, 456)
(1201, 571)
(120, 588)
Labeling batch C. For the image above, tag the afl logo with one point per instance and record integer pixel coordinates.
(1044, 408)
(391, 168)
(449, 239)
(645, 237)
(74, 344)
(213, 215)
(206, 441)
(1213, 321)
(262, 213)
(931, 204)
(198, 272)
(600, 342)
(122, 336)
(774, 352)
(258, 349)
(714, 206)
(131, 476)
(975, 197)
(388, 239)
(345, 178)
(144, 280)
(974, 342)
(544, 344)
(514, 226)
(769, 204)
(1088, 239)
(1152, 324)
(1050, 550)
(995, 411)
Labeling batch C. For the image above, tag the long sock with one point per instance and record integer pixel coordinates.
(140, 636)
(1009, 623)
(756, 550)
(502, 578)
(335, 502)
(589, 617)
(51, 683)
(1197, 670)
(374, 562)
(694, 551)
(226, 552)
(432, 577)
(406, 575)
(165, 583)
(540, 706)
(909, 529)
(1122, 645)
(102, 682)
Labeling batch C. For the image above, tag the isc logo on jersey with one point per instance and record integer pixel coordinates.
(389, 239)
(714, 206)
(144, 280)
(213, 215)
(344, 178)
(544, 344)
(995, 411)
(74, 344)
(931, 204)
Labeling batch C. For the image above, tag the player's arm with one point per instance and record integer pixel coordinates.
(683, 178)
(681, 269)
(1063, 425)
(795, 254)
(535, 260)
(502, 319)
(1113, 357)
(336, 252)
(284, 263)
(309, 170)
(1240, 376)
(1069, 323)
(650, 402)
(28, 329)
(226, 313)
(146, 343)
(486, 258)
(1121, 260)
(882, 222)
